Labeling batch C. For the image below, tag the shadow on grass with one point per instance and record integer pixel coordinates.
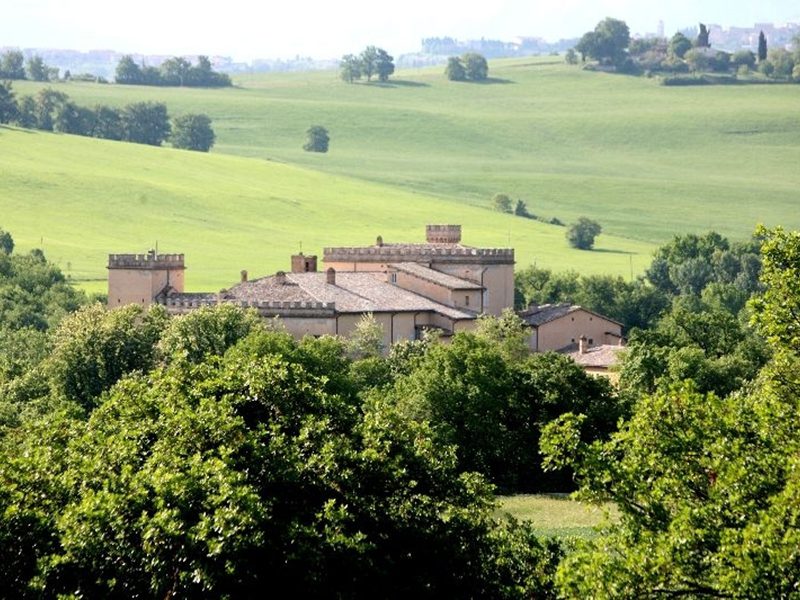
(398, 83)
(612, 251)
(19, 129)
(493, 81)
(537, 64)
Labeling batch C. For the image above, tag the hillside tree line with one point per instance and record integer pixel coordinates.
(176, 72)
(139, 122)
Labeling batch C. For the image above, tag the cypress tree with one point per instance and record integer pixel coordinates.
(762, 47)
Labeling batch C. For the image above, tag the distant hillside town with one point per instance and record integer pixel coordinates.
(433, 51)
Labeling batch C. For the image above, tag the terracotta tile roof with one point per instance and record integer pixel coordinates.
(437, 277)
(544, 313)
(269, 289)
(352, 293)
(537, 315)
(602, 356)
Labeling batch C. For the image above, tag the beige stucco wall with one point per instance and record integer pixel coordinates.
(140, 286)
(468, 299)
(498, 281)
(396, 326)
(300, 327)
(568, 329)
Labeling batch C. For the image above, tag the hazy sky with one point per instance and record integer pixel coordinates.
(327, 29)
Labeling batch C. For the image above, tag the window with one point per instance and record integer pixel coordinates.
(393, 277)
(466, 300)
(591, 341)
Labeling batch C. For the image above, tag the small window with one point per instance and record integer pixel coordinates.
(573, 318)
(573, 340)
(393, 278)
(466, 300)
(590, 318)
(591, 341)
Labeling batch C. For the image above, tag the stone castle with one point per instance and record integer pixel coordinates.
(408, 287)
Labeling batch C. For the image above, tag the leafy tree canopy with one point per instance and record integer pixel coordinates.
(192, 132)
(581, 234)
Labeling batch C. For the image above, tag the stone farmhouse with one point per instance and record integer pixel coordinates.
(559, 327)
(440, 284)
(590, 339)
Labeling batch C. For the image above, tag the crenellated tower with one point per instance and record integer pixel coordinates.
(140, 278)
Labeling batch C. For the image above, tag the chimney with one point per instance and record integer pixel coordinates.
(244, 276)
(280, 278)
(330, 275)
(582, 345)
(443, 234)
(304, 264)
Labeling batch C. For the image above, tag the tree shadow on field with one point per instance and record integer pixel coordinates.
(398, 83)
(18, 129)
(612, 251)
(493, 81)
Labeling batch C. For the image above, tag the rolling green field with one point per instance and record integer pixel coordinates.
(81, 199)
(645, 161)
(556, 515)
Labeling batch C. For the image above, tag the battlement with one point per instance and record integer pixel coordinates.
(419, 253)
(150, 260)
(443, 234)
(180, 305)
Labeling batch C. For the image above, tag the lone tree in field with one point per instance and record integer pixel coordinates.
(455, 69)
(350, 68)
(581, 234)
(317, 139)
(476, 67)
(608, 43)
(192, 132)
(502, 203)
(762, 47)
(384, 65)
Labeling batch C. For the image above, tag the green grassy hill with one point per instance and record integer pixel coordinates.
(644, 160)
(81, 199)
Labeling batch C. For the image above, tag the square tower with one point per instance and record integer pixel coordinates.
(139, 278)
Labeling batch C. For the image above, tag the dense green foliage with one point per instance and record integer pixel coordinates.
(140, 122)
(486, 395)
(582, 233)
(12, 65)
(468, 67)
(317, 139)
(34, 293)
(213, 455)
(706, 485)
(192, 132)
(608, 42)
(175, 71)
(372, 61)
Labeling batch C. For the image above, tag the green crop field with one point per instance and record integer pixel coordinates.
(644, 160)
(556, 515)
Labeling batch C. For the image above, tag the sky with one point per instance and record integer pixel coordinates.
(247, 29)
